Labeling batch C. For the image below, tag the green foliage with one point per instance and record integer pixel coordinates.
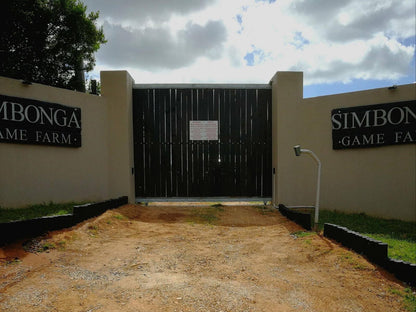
(48, 246)
(48, 41)
(120, 217)
(35, 211)
(206, 215)
(399, 235)
(93, 86)
(409, 298)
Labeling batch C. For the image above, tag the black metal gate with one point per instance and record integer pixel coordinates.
(169, 164)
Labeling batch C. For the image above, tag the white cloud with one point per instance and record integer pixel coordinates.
(156, 48)
(248, 41)
(139, 11)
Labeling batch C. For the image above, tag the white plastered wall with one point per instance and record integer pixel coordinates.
(32, 174)
(98, 170)
(377, 181)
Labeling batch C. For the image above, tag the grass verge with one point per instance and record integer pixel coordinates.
(35, 211)
(409, 298)
(399, 235)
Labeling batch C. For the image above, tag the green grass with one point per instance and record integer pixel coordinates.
(206, 215)
(409, 298)
(120, 217)
(399, 235)
(300, 234)
(35, 211)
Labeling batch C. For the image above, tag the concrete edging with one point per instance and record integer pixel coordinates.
(12, 231)
(372, 249)
(301, 218)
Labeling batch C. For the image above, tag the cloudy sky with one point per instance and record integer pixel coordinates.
(340, 45)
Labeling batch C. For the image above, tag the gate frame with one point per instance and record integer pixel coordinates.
(248, 86)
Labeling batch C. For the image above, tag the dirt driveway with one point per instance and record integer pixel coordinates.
(233, 258)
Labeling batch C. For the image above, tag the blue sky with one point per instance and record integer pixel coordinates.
(340, 46)
(361, 84)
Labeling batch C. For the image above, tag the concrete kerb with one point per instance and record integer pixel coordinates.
(12, 231)
(372, 249)
(301, 218)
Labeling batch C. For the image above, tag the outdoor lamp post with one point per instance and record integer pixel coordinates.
(298, 152)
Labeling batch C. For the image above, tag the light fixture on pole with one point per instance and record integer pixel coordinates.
(298, 152)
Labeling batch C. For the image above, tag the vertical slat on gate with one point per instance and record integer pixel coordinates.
(176, 146)
(249, 143)
(154, 145)
(241, 183)
(192, 148)
(230, 169)
(168, 143)
(216, 146)
(234, 138)
(244, 144)
(187, 145)
(225, 140)
(160, 126)
(204, 106)
(165, 148)
(261, 140)
(257, 135)
(212, 157)
(147, 139)
(145, 145)
(219, 96)
(180, 146)
(239, 142)
(151, 136)
(198, 147)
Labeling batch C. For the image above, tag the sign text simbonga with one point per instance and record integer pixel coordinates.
(28, 121)
(374, 125)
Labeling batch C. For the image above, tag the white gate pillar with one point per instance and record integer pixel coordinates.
(116, 88)
(287, 96)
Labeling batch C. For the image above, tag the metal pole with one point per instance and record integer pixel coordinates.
(273, 186)
(318, 185)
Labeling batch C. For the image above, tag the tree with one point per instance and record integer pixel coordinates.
(48, 41)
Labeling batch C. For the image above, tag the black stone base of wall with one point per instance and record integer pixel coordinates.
(15, 230)
(301, 218)
(373, 250)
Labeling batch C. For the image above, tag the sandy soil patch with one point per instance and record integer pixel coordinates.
(236, 258)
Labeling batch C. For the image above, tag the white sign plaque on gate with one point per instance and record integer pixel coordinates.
(203, 130)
